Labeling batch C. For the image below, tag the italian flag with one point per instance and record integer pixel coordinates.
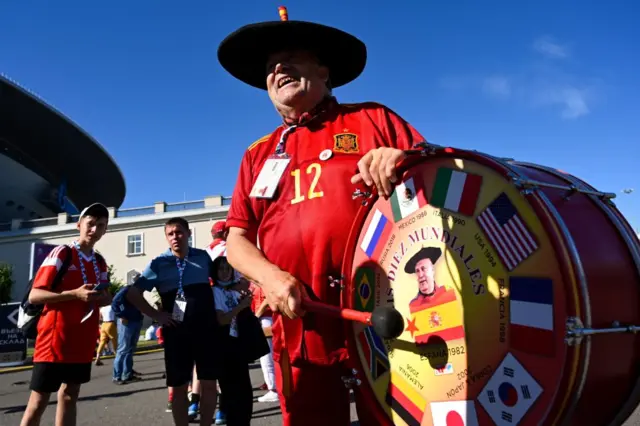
(406, 199)
(456, 191)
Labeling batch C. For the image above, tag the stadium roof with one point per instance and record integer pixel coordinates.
(41, 138)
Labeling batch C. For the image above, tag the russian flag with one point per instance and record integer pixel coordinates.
(531, 312)
(377, 235)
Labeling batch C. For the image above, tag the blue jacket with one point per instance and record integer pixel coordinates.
(123, 309)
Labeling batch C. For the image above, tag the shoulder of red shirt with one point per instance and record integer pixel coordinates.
(270, 140)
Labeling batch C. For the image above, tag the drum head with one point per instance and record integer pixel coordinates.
(460, 253)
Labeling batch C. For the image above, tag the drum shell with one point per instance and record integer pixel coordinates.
(606, 248)
(580, 226)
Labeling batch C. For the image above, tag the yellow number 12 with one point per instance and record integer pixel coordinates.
(314, 168)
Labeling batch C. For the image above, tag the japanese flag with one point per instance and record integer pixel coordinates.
(454, 413)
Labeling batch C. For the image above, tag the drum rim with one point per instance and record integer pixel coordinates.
(562, 243)
(631, 241)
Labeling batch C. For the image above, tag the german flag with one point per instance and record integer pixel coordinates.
(440, 317)
(405, 401)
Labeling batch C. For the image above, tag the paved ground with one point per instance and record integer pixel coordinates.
(141, 403)
(102, 402)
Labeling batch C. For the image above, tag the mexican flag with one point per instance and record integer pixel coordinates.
(456, 191)
(407, 199)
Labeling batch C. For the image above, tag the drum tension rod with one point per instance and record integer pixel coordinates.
(358, 193)
(527, 186)
(427, 148)
(576, 330)
(351, 381)
(337, 281)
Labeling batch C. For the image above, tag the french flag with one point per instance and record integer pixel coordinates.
(377, 235)
(531, 311)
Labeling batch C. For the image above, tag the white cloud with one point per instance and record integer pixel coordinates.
(548, 47)
(537, 84)
(574, 101)
(497, 86)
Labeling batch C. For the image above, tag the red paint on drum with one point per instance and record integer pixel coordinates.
(614, 295)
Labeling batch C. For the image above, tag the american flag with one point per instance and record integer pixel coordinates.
(508, 233)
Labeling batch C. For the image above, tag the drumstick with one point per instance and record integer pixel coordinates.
(386, 321)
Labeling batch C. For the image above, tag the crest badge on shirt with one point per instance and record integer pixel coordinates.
(347, 143)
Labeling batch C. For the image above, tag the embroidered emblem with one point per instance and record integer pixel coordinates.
(346, 143)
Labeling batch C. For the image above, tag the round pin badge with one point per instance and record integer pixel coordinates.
(326, 154)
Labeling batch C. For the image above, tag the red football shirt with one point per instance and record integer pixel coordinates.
(62, 337)
(304, 228)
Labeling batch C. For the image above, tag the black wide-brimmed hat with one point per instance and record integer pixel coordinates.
(244, 53)
(432, 253)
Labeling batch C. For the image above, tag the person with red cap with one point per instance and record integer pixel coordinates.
(219, 235)
(296, 196)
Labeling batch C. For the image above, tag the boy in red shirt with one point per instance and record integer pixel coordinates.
(68, 326)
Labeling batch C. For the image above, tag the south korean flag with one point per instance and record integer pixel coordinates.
(510, 392)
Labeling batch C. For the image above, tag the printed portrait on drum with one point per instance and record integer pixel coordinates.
(435, 312)
(430, 293)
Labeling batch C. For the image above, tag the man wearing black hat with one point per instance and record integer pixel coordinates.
(422, 264)
(295, 195)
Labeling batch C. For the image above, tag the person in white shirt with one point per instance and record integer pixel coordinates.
(108, 331)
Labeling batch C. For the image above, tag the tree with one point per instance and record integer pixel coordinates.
(115, 283)
(6, 282)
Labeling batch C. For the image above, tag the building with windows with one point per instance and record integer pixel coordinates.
(45, 159)
(134, 237)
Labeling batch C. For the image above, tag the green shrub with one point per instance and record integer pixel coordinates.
(6, 282)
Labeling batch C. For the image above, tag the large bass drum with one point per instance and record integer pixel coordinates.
(520, 289)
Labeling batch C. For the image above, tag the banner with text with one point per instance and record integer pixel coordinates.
(13, 344)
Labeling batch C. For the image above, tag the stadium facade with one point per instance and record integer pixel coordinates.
(43, 161)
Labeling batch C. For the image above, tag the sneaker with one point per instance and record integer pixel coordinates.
(193, 411)
(221, 418)
(132, 379)
(264, 387)
(270, 396)
(169, 407)
(99, 363)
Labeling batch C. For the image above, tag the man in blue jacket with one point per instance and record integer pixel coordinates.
(129, 325)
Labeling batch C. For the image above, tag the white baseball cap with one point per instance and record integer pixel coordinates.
(95, 209)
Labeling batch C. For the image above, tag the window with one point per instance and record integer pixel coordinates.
(135, 245)
(192, 238)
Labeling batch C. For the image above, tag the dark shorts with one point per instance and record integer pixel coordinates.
(193, 342)
(47, 377)
(183, 350)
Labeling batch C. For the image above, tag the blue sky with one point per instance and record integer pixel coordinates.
(549, 82)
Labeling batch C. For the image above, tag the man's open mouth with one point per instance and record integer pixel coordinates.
(284, 81)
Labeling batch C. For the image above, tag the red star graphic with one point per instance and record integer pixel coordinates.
(411, 327)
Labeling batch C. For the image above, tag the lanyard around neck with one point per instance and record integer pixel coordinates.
(96, 269)
(181, 266)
